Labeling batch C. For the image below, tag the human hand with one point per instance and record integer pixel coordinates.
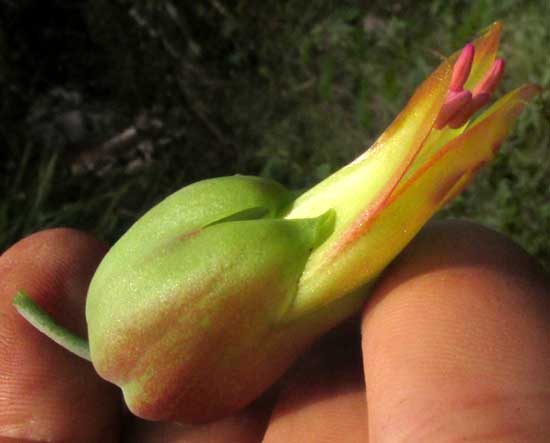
(454, 345)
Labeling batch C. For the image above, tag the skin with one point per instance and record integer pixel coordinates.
(452, 346)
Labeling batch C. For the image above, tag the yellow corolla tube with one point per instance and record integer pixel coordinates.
(213, 293)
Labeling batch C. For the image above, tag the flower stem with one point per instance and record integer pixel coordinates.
(37, 317)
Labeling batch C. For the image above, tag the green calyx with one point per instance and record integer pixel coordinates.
(203, 240)
(229, 227)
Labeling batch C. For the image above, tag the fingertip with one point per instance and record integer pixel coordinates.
(246, 426)
(54, 267)
(455, 337)
(323, 399)
(47, 393)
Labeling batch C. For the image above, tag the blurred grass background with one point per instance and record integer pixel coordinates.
(107, 106)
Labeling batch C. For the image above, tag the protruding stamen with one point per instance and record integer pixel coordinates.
(474, 105)
(461, 68)
(460, 105)
(491, 80)
(453, 103)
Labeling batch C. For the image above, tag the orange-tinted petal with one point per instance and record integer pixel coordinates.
(522, 95)
(375, 173)
(360, 188)
(477, 144)
(486, 47)
(485, 51)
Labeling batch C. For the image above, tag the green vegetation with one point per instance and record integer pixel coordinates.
(107, 106)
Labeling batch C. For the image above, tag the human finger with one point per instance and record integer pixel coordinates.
(324, 397)
(456, 342)
(46, 393)
(247, 426)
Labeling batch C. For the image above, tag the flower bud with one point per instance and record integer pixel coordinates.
(174, 322)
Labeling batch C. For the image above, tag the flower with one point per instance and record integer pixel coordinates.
(211, 295)
(424, 159)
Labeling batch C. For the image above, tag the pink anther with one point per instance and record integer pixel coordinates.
(461, 68)
(462, 116)
(459, 104)
(491, 80)
(453, 103)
